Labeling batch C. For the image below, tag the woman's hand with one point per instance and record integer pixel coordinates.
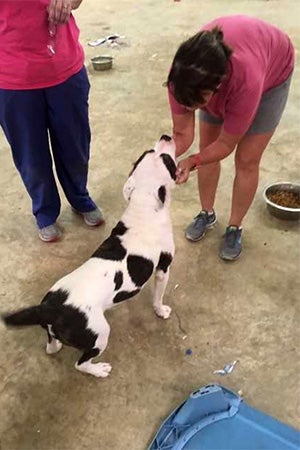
(183, 169)
(59, 11)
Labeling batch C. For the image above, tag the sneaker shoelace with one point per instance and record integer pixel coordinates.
(231, 236)
(200, 219)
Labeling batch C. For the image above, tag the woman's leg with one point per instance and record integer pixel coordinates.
(247, 159)
(70, 137)
(208, 175)
(23, 117)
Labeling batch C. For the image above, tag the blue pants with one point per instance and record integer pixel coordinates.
(29, 119)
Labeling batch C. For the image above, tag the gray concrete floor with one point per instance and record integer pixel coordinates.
(247, 310)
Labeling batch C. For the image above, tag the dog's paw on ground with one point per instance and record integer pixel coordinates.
(163, 311)
(53, 347)
(99, 370)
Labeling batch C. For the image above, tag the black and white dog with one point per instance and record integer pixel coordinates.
(141, 244)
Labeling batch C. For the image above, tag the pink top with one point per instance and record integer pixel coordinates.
(25, 62)
(263, 57)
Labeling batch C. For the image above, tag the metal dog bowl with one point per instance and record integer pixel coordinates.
(282, 212)
(102, 62)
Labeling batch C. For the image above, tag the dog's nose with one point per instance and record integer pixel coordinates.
(165, 137)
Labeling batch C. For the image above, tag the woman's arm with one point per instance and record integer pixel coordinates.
(218, 150)
(183, 131)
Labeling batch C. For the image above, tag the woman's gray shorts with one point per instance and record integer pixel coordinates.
(269, 111)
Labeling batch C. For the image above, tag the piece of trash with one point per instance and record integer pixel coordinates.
(97, 42)
(184, 337)
(112, 39)
(176, 286)
(227, 369)
(240, 393)
(188, 351)
(38, 431)
(183, 331)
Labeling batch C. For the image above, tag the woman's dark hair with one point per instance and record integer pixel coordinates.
(200, 64)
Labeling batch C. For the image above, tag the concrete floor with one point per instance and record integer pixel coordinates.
(247, 310)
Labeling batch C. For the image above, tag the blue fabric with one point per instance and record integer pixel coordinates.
(31, 120)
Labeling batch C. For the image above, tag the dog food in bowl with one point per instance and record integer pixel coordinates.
(285, 198)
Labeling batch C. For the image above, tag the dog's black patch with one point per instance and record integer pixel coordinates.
(118, 280)
(69, 324)
(89, 354)
(162, 192)
(165, 260)
(140, 159)
(124, 295)
(119, 230)
(165, 137)
(139, 268)
(111, 249)
(170, 165)
(56, 298)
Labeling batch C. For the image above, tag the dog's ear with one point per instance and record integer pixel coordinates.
(128, 188)
(160, 194)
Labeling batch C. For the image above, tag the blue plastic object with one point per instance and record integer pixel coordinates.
(215, 418)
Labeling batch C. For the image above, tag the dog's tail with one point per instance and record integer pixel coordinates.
(34, 315)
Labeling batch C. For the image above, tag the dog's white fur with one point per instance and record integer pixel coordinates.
(91, 288)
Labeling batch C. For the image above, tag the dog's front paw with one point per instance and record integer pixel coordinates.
(163, 311)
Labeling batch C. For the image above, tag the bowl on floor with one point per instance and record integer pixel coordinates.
(283, 200)
(102, 62)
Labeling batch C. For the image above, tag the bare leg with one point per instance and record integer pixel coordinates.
(247, 160)
(161, 280)
(85, 364)
(208, 175)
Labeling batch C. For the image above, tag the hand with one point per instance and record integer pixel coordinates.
(59, 11)
(183, 170)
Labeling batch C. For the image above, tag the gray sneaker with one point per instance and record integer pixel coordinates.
(232, 243)
(202, 222)
(92, 218)
(51, 233)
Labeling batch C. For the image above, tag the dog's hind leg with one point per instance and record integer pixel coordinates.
(53, 344)
(160, 283)
(85, 364)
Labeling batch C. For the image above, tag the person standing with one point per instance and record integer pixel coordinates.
(237, 70)
(44, 92)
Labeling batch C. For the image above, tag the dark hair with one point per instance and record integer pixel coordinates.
(200, 64)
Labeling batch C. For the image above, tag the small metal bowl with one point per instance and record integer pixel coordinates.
(282, 212)
(102, 62)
